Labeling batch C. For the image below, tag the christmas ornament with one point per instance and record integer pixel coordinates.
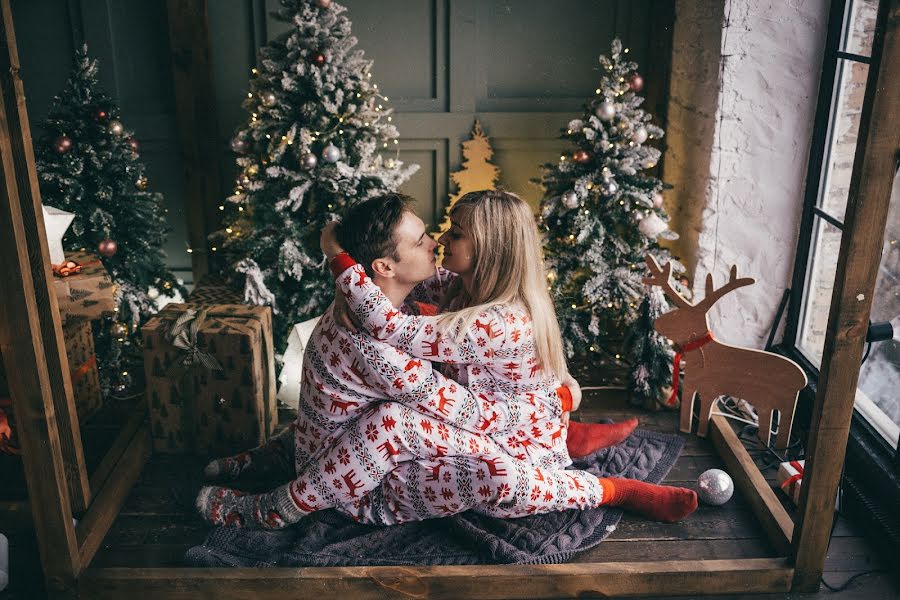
(153, 293)
(115, 127)
(581, 156)
(118, 329)
(62, 144)
(101, 115)
(331, 153)
(609, 188)
(142, 182)
(636, 83)
(239, 145)
(640, 135)
(606, 111)
(657, 200)
(715, 487)
(56, 222)
(570, 199)
(268, 98)
(309, 161)
(323, 3)
(651, 226)
(317, 58)
(108, 247)
(135, 147)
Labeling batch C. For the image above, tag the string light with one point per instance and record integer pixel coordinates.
(221, 207)
(190, 251)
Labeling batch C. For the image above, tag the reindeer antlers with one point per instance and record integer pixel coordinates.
(660, 277)
(713, 295)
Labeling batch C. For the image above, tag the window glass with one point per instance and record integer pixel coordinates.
(826, 244)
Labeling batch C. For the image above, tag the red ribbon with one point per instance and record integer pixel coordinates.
(84, 369)
(796, 477)
(676, 367)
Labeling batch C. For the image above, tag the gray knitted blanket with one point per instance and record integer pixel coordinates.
(329, 539)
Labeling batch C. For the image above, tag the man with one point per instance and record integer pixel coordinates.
(346, 372)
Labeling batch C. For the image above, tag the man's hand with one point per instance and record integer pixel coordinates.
(574, 389)
(328, 241)
(342, 314)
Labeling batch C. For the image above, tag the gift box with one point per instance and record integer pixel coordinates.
(88, 294)
(79, 344)
(790, 476)
(213, 290)
(210, 378)
(78, 337)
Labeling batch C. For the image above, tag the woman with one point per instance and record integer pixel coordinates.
(503, 340)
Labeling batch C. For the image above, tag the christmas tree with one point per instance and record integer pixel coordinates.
(602, 212)
(311, 146)
(89, 164)
(477, 172)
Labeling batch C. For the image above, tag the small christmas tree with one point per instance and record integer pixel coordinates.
(310, 147)
(601, 215)
(88, 164)
(477, 172)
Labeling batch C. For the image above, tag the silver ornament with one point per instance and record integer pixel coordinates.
(606, 110)
(116, 127)
(331, 153)
(657, 200)
(309, 161)
(268, 98)
(715, 487)
(570, 199)
(640, 135)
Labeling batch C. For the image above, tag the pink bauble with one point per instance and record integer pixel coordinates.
(108, 247)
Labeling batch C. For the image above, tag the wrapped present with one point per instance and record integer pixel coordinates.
(790, 476)
(85, 293)
(212, 290)
(78, 337)
(210, 378)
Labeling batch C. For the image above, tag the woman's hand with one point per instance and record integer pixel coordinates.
(574, 389)
(328, 241)
(342, 314)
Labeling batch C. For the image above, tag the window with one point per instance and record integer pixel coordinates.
(841, 95)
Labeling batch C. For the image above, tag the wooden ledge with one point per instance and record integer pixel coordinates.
(749, 480)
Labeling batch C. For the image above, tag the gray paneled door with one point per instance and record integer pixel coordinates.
(522, 67)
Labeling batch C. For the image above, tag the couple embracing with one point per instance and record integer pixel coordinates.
(383, 435)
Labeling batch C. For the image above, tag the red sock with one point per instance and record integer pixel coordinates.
(586, 438)
(656, 502)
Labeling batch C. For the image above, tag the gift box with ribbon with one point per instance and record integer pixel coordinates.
(210, 378)
(790, 476)
(86, 291)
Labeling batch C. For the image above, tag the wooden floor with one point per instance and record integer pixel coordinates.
(158, 523)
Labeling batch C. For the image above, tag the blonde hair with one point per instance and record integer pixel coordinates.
(508, 269)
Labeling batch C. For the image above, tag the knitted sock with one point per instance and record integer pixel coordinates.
(233, 508)
(273, 459)
(586, 438)
(656, 502)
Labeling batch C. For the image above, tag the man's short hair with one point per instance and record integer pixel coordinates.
(366, 231)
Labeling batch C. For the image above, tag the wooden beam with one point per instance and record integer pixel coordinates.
(25, 177)
(750, 481)
(31, 336)
(695, 578)
(110, 498)
(119, 446)
(197, 126)
(874, 169)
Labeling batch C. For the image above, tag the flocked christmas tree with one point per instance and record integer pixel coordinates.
(477, 172)
(602, 212)
(89, 164)
(318, 138)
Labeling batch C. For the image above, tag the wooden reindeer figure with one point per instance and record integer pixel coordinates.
(767, 381)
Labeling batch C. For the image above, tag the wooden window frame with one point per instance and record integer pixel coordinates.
(30, 325)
